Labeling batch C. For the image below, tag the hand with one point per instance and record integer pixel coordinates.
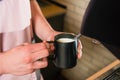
(79, 49)
(23, 59)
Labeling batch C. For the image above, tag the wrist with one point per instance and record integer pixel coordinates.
(53, 34)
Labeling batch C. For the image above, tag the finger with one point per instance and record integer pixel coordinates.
(79, 54)
(24, 44)
(79, 49)
(25, 69)
(40, 64)
(36, 47)
(79, 44)
(50, 46)
(47, 44)
(40, 54)
(24, 72)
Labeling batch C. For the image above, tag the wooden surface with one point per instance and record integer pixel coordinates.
(52, 10)
(104, 70)
(95, 57)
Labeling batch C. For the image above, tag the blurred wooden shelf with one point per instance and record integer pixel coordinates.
(50, 10)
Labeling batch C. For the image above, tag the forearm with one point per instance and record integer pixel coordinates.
(40, 24)
(1, 63)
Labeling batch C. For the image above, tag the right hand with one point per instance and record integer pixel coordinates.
(24, 59)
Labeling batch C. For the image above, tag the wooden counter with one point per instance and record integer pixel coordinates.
(98, 75)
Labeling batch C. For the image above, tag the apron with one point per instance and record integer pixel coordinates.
(15, 29)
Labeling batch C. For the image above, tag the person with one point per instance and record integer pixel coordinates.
(18, 56)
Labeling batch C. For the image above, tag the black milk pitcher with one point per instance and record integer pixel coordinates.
(65, 51)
